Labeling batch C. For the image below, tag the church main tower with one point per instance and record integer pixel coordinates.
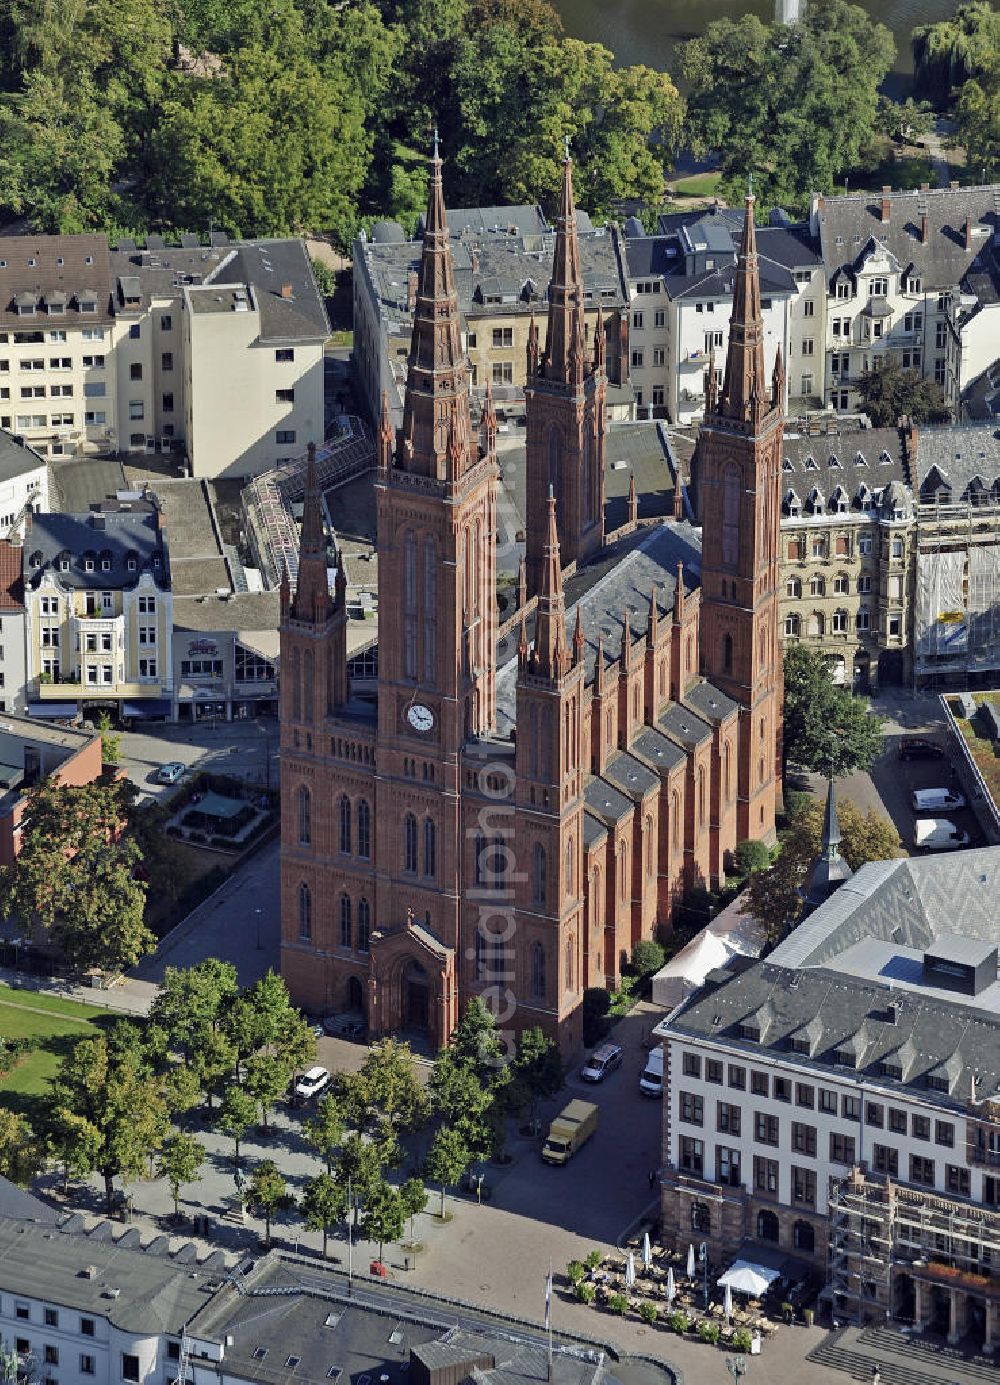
(739, 472)
(565, 399)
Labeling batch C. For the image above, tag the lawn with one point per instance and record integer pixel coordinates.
(56, 1024)
(698, 185)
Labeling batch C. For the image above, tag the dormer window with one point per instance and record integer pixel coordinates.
(105, 564)
(750, 1030)
(833, 460)
(884, 458)
(810, 463)
(860, 459)
(891, 1068)
(88, 564)
(156, 560)
(786, 465)
(130, 563)
(36, 559)
(937, 1082)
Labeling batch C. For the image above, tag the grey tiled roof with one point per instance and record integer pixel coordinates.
(959, 454)
(593, 829)
(631, 776)
(685, 728)
(780, 250)
(124, 535)
(605, 802)
(848, 224)
(16, 457)
(710, 702)
(34, 269)
(657, 750)
(869, 458)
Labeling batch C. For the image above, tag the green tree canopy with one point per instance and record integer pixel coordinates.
(323, 1204)
(180, 1159)
(947, 54)
(826, 729)
(75, 876)
(796, 106)
(978, 116)
(888, 393)
(384, 1216)
(21, 1152)
(267, 1190)
(447, 1159)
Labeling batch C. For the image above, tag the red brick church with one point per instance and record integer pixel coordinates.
(509, 817)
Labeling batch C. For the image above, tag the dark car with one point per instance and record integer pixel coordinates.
(916, 749)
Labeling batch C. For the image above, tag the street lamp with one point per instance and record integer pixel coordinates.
(737, 1366)
(703, 1262)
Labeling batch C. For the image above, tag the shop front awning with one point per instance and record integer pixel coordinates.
(52, 709)
(151, 707)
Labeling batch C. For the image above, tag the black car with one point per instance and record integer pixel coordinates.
(916, 749)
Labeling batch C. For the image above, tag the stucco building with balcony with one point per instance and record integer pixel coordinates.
(98, 604)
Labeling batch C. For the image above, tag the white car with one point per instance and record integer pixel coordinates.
(937, 800)
(311, 1083)
(170, 772)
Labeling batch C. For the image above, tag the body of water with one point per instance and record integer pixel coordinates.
(646, 31)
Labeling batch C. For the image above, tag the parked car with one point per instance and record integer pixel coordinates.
(938, 834)
(170, 773)
(917, 749)
(311, 1083)
(602, 1061)
(651, 1081)
(937, 800)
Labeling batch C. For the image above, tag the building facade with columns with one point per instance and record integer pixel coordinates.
(515, 808)
(840, 1101)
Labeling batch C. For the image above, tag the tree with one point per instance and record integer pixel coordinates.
(774, 895)
(180, 1159)
(978, 118)
(192, 1001)
(108, 1114)
(358, 1165)
(75, 874)
(826, 729)
(111, 742)
(796, 105)
(948, 54)
(749, 856)
(386, 1089)
(888, 393)
(447, 1159)
(384, 1216)
(647, 956)
(267, 1189)
(414, 1199)
(538, 1071)
(21, 1153)
(236, 1115)
(325, 1132)
(323, 1204)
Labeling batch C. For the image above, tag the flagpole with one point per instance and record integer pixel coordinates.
(548, 1319)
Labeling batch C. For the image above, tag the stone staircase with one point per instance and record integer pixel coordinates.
(902, 1360)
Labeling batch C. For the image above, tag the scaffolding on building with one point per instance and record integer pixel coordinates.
(957, 590)
(878, 1226)
(267, 502)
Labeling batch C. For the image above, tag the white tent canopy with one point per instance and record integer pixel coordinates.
(744, 1278)
(731, 933)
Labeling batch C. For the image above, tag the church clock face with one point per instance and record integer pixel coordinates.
(421, 718)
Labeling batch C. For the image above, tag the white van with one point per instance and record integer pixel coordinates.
(651, 1081)
(938, 834)
(937, 800)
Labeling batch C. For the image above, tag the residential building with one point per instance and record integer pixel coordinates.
(30, 751)
(57, 382)
(847, 538)
(500, 257)
(97, 591)
(841, 1099)
(219, 351)
(225, 656)
(602, 759)
(680, 289)
(890, 549)
(13, 672)
(913, 275)
(93, 1309)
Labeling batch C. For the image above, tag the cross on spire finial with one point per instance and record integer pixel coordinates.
(436, 142)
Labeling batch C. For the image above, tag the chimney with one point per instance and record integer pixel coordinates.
(968, 233)
(954, 184)
(411, 290)
(475, 261)
(885, 203)
(286, 291)
(925, 187)
(925, 231)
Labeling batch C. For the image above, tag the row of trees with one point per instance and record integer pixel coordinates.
(305, 115)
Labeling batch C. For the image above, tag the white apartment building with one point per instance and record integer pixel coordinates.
(57, 388)
(99, 611)
(864, 1051)
(680, 285)
(914, 275)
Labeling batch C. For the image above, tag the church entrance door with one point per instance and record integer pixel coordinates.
(416, 998)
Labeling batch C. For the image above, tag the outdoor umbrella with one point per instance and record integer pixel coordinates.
(727, 1303)
(745, 1278)
(647, 1251)
(671, 1286)
(690, 1265)
(630, 1270)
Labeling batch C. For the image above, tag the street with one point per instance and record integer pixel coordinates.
(244, 749)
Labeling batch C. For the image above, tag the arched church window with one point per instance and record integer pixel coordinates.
(410, 844)
(430, 611)
(538, 971)
(364, 830)
(305, 914)
(727, 653)
(346, 939)
(305, 816)
(409, 604)
(430, 848)
(675, 820)
(730, 515)
(364, 925)
(538, 873)
(570, 965)
(345, 824)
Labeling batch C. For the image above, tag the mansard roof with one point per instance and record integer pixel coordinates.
(955, 455)
(860, 462)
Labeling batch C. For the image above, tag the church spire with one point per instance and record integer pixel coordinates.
(744, 391)
(829, 869)
(437, 380)
(312, 592)
(551, 657)
(565, 344)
